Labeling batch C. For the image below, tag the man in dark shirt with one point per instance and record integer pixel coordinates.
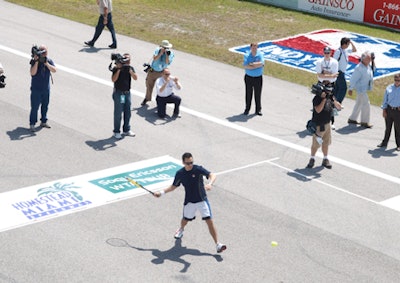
(191, 177)
(121, 77)
(322, 111)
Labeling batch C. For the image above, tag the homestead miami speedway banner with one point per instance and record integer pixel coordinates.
(61, 197)
(303, 50)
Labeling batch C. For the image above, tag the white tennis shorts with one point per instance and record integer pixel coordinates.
(190, 209)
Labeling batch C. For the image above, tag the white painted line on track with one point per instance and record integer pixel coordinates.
(228, 124)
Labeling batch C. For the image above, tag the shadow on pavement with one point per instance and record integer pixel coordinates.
(174, 254)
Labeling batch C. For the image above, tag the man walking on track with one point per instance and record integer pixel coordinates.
(191, 176)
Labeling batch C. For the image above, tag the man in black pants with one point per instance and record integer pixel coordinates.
(105, 19)
(391, 112)
(253, 63)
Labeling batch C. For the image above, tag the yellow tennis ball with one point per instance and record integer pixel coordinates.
(274, 244)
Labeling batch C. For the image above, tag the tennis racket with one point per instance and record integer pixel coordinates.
(133, 182)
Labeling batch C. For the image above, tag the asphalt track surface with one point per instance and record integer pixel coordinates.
(330, 225)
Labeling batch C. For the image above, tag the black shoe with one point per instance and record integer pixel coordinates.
(398, 148)
(352, 121)
(113, 46)
(382, 145)
(246, 112)
(89, 43)
(366, 125)
(259, 113)
(311, 163)
(326, 164)
(144, 102)
(176, 116)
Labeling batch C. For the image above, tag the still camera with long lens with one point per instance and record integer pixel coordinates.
(319, 88)
(118, 59)
(39, 53)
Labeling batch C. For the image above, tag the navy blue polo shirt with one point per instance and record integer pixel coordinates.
(193, 182)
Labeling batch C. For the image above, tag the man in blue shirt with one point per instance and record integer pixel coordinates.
(362, 81)
(391, 112)
(41, 66)
(162, 58)
(191, 177)
(253, 64)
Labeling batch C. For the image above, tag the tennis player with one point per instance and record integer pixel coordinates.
(191, 177)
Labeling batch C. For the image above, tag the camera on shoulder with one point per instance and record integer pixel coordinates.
(35, 50)
(119, 59)
(147, 67)
(319, 88)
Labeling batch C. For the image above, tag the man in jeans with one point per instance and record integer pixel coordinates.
(122, 74)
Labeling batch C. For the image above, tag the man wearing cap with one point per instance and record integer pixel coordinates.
(327, 71)
(162, 58)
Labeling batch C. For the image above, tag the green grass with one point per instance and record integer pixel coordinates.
(208, 28)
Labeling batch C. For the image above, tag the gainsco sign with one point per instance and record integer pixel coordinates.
(303, 50)
(385, 13)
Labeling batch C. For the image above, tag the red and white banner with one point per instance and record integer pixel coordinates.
(383, 13)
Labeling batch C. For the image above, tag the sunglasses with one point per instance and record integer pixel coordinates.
(397, 80)
(327, 52)
(167, 74)
(188, 163)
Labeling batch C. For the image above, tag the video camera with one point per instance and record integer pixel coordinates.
(118, 59)
(319, 88)
(39, 53)
(2, 82)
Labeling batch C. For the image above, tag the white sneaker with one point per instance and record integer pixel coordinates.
(32, 128)
(220, 248)
(129, 133)
(117, 136)
(178, 233)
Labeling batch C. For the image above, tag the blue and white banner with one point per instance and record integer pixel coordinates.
(303, 50)
(61, 197)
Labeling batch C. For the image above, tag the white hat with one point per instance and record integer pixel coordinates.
(165, 43)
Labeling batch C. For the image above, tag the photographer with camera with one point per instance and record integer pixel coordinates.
(323, 104)
(327, 70)
(362, 80)
(122, 74)
(165, 94)
(2, 77)
(162, 58)
(41, 69)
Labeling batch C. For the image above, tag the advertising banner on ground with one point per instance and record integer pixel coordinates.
(383, 12)
(303, 50)
(61, 197)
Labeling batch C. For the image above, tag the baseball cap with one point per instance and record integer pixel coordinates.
(327, 49)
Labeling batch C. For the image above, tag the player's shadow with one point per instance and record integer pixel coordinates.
(20, 133)
(174, 254)
(380, 152)
(103, 144)
(150, 115)
(240, 117)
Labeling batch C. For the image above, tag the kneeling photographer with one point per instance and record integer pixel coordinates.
(122, 73)
(323, 104)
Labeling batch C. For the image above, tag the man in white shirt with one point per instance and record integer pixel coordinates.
(342, 56)
(166, 85)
